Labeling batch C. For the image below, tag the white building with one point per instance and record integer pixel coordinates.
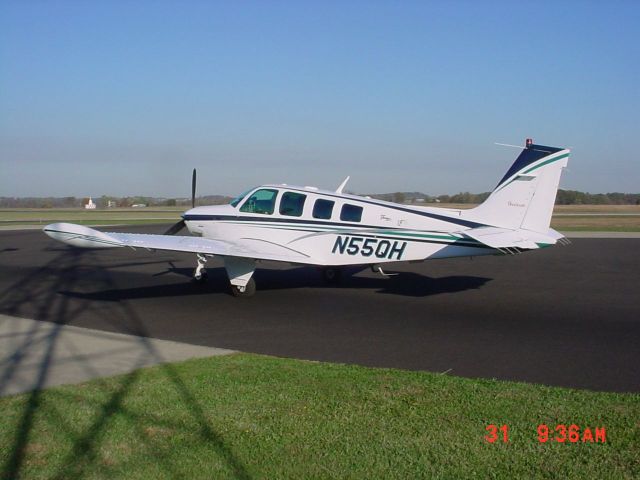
(90, 205)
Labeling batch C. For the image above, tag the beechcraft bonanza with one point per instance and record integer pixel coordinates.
(332, 229)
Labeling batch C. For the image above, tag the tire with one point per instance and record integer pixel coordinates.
(202, 278)
(331, 275)
(249, 290)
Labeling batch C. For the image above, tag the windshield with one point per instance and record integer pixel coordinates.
(238, 199)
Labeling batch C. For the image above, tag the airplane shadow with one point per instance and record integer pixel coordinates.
(406, 284)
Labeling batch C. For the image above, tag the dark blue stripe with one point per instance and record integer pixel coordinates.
(462, 242)
(266, 218)
(528, 156)
(382, 203)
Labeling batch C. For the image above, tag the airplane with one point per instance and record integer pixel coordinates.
(333, 229)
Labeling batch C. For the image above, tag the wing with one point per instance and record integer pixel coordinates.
(85, 237)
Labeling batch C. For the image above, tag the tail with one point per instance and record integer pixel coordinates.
(525, 196)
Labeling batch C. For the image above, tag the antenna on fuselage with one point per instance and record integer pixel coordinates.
(342, 185)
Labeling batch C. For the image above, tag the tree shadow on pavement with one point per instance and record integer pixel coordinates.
(41, 291)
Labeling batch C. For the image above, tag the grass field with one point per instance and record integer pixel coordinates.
(621, 218)
(116, 216)
(251, 416)
(604, 223)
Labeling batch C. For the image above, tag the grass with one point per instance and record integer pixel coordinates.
(611, 223)
(97, 222)
(251, 416)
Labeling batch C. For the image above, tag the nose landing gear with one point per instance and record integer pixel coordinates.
(200, 274)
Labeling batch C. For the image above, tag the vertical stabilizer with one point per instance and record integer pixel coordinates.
(525, 196)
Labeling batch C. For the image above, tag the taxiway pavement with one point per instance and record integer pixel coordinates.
(566, 316)
(36, 354)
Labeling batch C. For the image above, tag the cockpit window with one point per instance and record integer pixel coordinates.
(239, 198)
(261, 201)
(292, 204)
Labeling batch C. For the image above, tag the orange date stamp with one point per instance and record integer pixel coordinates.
(560, 433)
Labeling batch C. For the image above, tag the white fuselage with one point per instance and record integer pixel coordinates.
(355, 230)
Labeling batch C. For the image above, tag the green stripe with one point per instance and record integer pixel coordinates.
(461, 241)
(551, 160)
(305, 228)
(535, 167)
(419, 235)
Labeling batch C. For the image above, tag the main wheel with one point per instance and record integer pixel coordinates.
(202, 277)
(248, 291)
(331, 274)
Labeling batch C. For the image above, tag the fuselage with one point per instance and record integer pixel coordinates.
(337, 229)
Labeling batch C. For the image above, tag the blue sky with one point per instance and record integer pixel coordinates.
(125, 97)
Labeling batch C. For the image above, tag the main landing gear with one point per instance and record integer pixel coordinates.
(244, 291)
(332, 275)
(239, 270)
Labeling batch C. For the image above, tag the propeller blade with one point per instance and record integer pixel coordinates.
(193, 188)
(175, 228)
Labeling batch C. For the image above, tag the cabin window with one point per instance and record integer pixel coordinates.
(262, 201)
(292, 204)
(351, 213)
(323, 209)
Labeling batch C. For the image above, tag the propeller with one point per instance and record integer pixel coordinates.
(176, 227)
(193, 188)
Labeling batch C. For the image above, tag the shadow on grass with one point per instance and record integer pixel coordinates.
(40, 290)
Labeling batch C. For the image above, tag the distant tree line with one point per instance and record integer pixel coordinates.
(106, 201)
(564, 197)
(573, 197)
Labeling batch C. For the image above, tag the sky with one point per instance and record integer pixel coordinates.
(126, 97)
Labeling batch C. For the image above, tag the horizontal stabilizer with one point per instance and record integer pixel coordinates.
(513, 241)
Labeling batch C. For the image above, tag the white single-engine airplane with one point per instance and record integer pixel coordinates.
(331, 229)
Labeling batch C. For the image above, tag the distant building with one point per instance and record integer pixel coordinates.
(111, 204)
(138, 205)
(90, 205)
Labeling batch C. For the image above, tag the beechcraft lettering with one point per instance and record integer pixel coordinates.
(332, 229)
(368, 247)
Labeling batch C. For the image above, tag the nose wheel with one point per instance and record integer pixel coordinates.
(200, 274)
(244, 291)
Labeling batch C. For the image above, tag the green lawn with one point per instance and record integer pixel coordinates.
(126, 221)
(251, 416)
(599, 223)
